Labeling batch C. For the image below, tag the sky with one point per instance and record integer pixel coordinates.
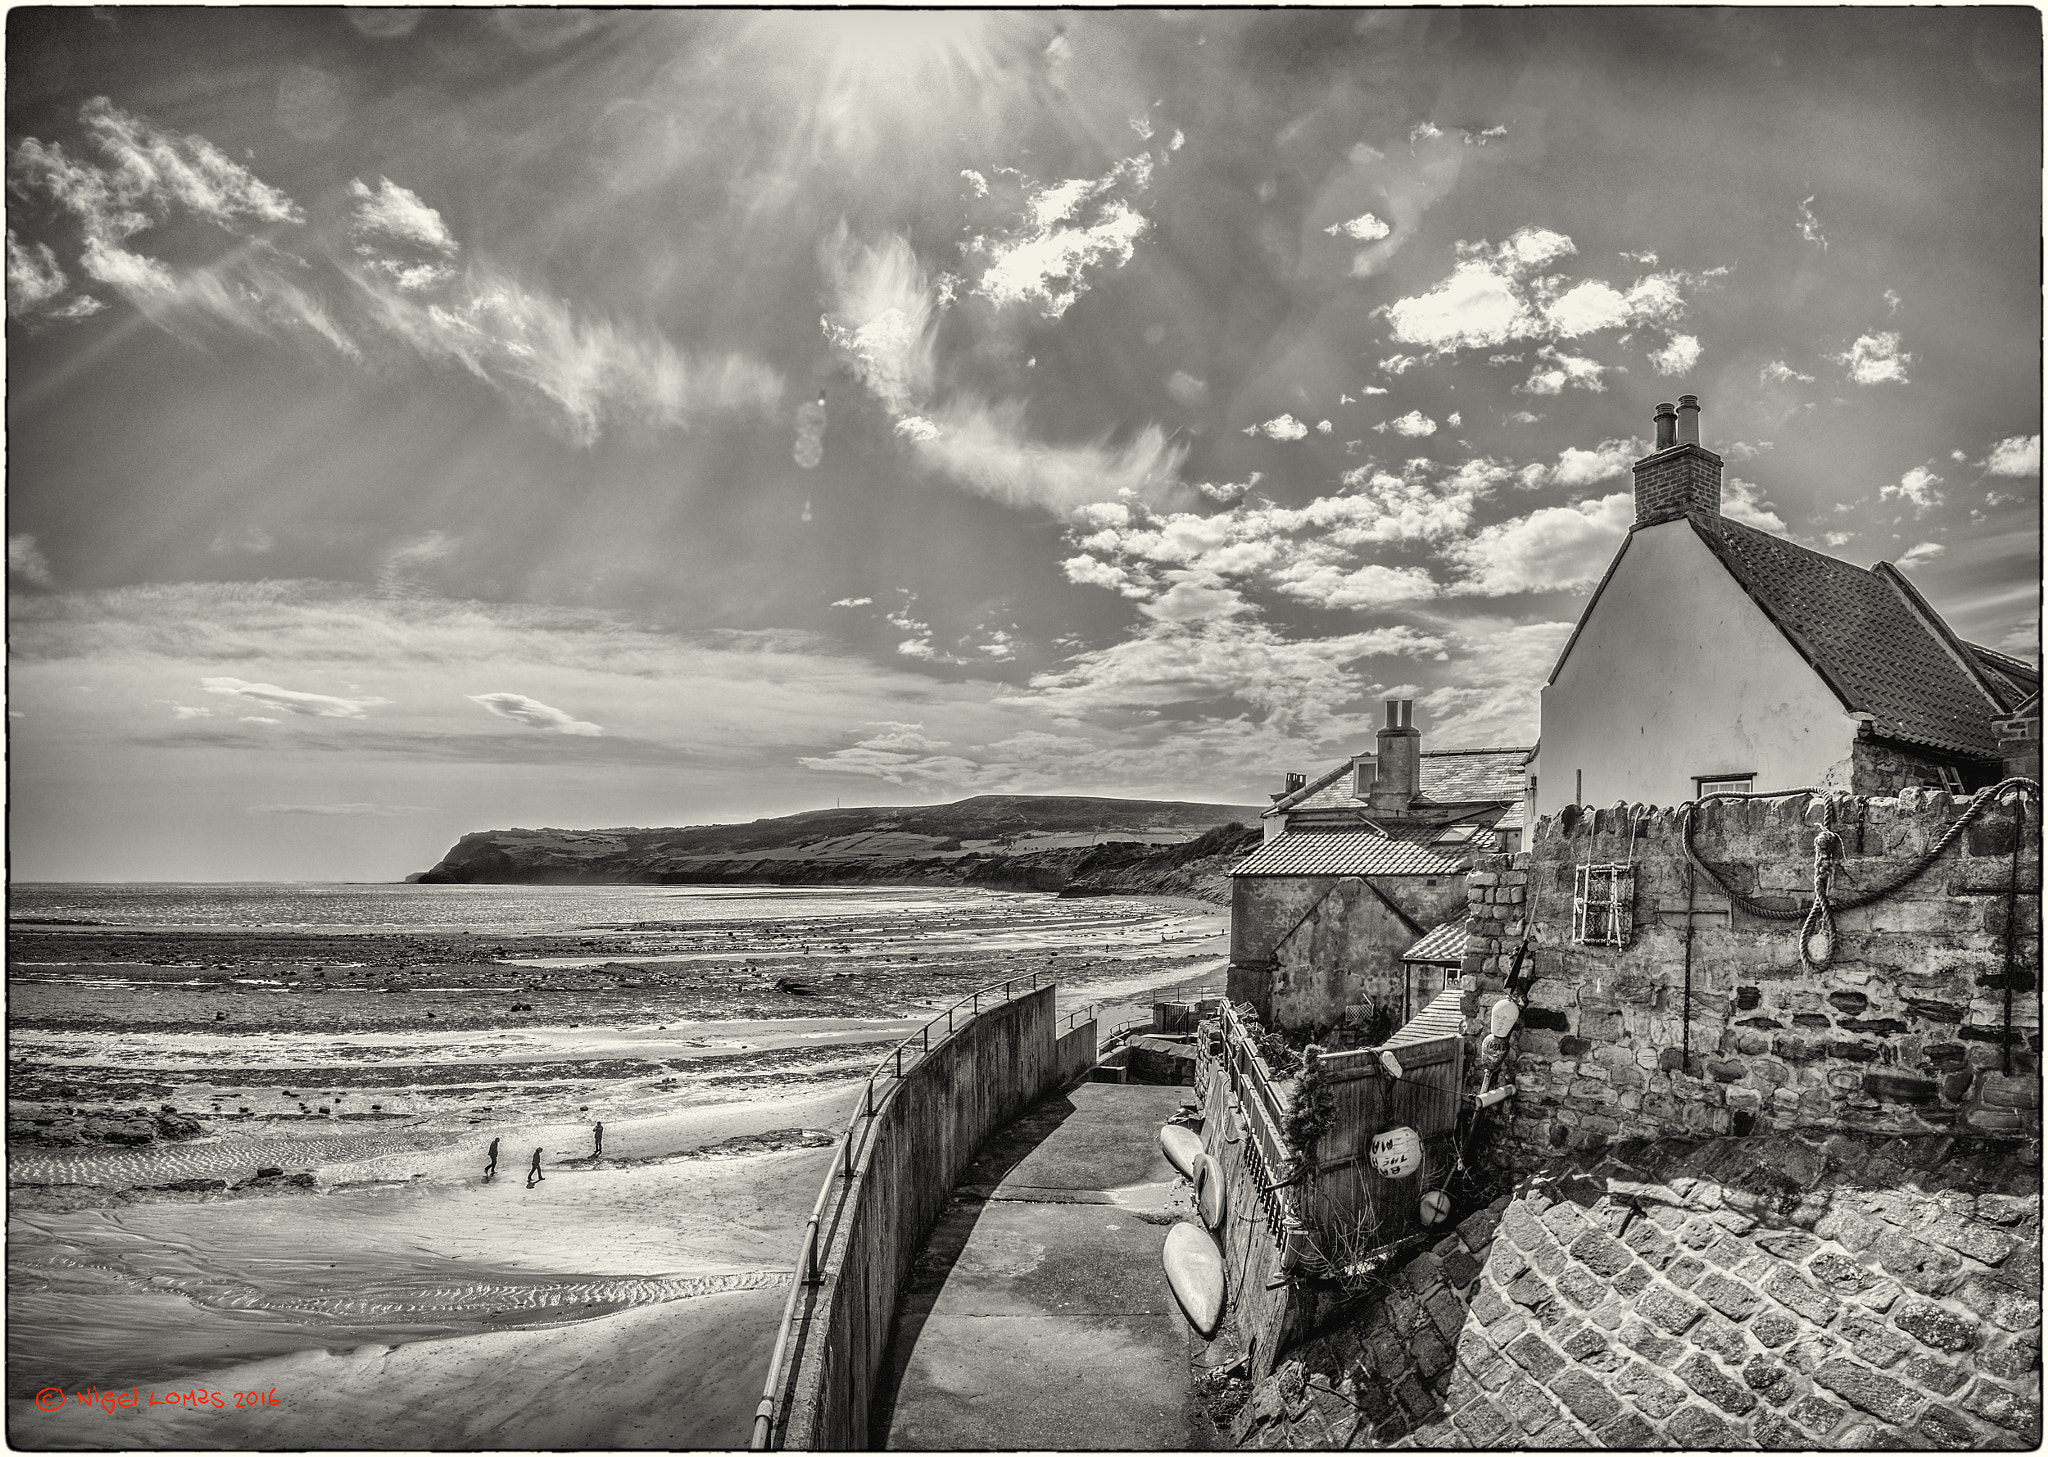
(424, 422)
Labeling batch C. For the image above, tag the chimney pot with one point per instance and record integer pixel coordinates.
(1407, 713)
(1393, 713)
(1667, 426)
(1688, 419)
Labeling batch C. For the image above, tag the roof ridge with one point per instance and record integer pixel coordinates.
(1503, 749)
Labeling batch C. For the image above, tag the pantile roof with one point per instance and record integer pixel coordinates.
(1449, 776)
(1443, 1017)
(1445, 943)
(1869, 634)
(1360, 854)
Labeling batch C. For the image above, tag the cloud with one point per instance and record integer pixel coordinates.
(349, 810)
(985, 448)
(251, 540)
(900, 754)
(35, 284)
(1414, 423)
(1398, 364)
(533, 713)
(289, 700)
(1070, 229)
(884, 317)
(1779, 372)
(400, 285)
(854, 602)
(1548, 550)
(1917, 485)
(401, 237)
(2016, 455)
(1558, 371)
(1578, 468)
(1281, 427)
(1743, 501)
(1892, 300)
(1875, 359)
(1365, 228)
(25, 560)
(1677, 357)
(1497, 295)
(1922, 554)
(1495, 680)
(1809, 225)
(383, 23)
(185, 711)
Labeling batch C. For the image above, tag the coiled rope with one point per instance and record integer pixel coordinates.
(1817, 916)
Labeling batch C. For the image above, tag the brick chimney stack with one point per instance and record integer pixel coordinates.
(1399, 777)
(1679, 477)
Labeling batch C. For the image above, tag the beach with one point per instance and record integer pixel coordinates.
(359, 1266)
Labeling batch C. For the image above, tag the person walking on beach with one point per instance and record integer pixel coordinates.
(597, 1152)
(491, 1168)
(534, 1175)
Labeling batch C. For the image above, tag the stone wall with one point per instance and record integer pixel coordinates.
(1879, 767)
(1303, 948)
(1902, 1030)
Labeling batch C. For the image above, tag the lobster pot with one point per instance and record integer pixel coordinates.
(1603, 904)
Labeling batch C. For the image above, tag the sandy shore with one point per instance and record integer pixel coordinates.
(395, 1298)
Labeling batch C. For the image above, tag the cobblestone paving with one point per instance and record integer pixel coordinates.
(1743, 1293)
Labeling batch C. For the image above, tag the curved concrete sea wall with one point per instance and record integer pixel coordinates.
(925, 1134)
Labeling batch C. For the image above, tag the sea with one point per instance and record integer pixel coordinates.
(381, 1262)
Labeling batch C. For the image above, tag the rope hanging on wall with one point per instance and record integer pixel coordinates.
(1819, 912)
(2012, 897)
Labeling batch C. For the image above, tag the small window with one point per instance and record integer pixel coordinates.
(1603, 904)
(1704, 785)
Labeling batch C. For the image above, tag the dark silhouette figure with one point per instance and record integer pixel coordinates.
(597, 1152)
(491, 1168)
(534, 1175)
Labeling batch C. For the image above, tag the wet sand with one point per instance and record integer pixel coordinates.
(402, 1301)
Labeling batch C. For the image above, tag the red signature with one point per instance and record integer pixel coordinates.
(55, 1398)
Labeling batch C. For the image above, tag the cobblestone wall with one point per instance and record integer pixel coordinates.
(1783, 1292)
(1902, 1030)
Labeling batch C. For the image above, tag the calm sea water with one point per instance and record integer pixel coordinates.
(505, 908)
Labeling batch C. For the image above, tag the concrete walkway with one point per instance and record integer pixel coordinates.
(1038, 1315)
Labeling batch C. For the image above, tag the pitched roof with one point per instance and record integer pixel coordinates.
(1443, 1017)
(1361, 854)
(1445, 943)
(1869, 635)
(2016, 677)
(1449, 776)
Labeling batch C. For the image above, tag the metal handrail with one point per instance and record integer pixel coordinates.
(808, 1270)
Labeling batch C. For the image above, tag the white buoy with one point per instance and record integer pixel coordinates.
(1436, 1207)
(1504, 1016)
(1397, 1153)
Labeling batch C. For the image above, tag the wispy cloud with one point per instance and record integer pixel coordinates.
(1779, 372)
(291, 700)
(583, 373)
(25, 560)
(1809, 225)
(347, 810)
(1921, 554)
(533, 713)
(1548, 550)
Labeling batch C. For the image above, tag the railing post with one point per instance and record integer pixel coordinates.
(871, 1098)
(899, 1062)
(927, 1029)
(977, 1004)
(847, 1171)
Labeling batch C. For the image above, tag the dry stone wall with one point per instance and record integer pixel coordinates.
(1903, 1029)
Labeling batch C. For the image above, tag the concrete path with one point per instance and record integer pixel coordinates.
(1038, 1315)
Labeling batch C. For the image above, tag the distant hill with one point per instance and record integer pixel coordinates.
(1068, 843)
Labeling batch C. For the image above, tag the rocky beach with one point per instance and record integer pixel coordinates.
(248, 1153)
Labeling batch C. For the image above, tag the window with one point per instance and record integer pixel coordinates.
(1603, 904)
(1705, 784)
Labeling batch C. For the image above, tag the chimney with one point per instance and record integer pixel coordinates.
(1679, 477)
(1400, 759)
(1289, 783)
